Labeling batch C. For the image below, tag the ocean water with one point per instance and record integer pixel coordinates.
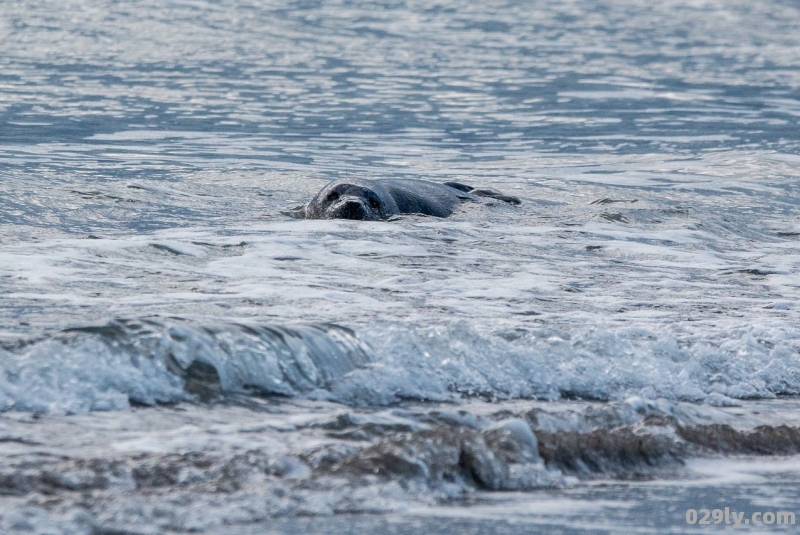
(178, 353)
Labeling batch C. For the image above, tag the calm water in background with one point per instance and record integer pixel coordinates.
(154, 299)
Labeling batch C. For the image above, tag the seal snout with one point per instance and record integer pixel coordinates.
(350, 208)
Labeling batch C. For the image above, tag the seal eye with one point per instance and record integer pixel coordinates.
(374, 204)
(332, 196)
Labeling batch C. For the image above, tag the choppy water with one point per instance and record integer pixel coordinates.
(177, 353)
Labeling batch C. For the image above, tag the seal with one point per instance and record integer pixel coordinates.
(374, 200)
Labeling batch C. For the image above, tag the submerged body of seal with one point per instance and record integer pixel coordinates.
(373, 200)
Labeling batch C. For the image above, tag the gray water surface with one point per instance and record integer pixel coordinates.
(646, 288)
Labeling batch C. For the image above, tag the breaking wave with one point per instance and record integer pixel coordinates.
(151, 361)
(148, 362)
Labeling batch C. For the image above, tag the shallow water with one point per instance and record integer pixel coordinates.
(151, 279)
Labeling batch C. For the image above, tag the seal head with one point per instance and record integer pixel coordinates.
(361, 200)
